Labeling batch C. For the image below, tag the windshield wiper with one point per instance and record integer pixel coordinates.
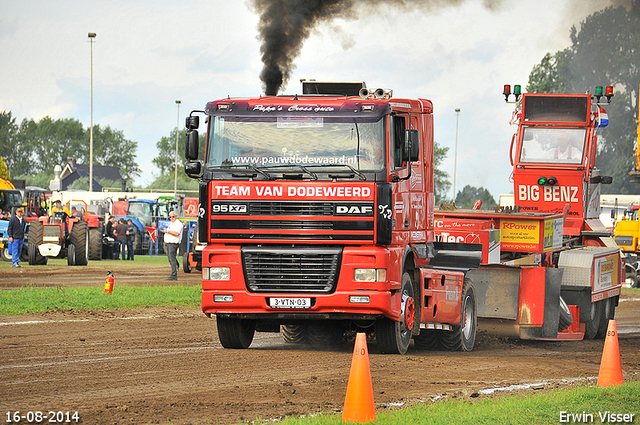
(353, 170)
(228, 165)
(288, 169)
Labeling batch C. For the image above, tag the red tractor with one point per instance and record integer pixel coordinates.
(59, 236)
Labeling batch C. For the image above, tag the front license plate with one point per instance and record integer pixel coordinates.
(290, 302)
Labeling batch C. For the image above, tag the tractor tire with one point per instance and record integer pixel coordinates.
(5, 252)
(36, 230)
(79, 238)
(294, 334)
(235, 333)
(608, 313)
(185, 263)
(71, 255)
(632, 279)
(394, 337)
(137, 244)
(95, 243)
(462, 337)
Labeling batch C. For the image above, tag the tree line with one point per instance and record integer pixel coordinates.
(605, 51)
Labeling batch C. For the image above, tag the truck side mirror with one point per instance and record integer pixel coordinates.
(192, 122)
(193, 169)
(191, 145)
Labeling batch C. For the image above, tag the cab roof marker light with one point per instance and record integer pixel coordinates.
(542, 180)
(223, 107)
(366, 108)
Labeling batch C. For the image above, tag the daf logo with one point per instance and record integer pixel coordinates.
(354, 209)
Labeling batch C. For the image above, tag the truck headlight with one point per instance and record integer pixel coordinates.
(216, 273)
(370, 275)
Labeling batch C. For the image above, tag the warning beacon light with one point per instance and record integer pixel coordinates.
(608, 93)
(517, 91)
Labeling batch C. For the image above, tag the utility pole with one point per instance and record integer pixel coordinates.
(455, 157)
(92, 36)
(175, 184)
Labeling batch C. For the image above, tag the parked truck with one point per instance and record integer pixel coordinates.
(318, 215)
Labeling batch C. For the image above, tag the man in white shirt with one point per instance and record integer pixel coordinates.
(172, 238)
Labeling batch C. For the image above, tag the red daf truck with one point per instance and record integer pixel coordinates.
(317, 210)
(563, 262)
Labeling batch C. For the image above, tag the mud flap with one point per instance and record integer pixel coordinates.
(517, 302)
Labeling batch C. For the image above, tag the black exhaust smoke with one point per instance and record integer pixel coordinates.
(285, 25)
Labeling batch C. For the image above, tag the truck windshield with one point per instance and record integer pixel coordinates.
(553, 145)
(302, 141)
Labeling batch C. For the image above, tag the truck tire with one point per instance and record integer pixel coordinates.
(608, 313)
(95, 243)
(235, 333)
(462, 337)
(79, 238)
(592, 327)
(36, 230)
(632, 279)
(325, 333)
(5, 252)
(429, 339)
(294, 334)
(566, 318)
(394, 337)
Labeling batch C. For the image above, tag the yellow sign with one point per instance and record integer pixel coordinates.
(523, 234)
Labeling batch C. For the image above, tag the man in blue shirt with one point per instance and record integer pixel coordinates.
(15, 231)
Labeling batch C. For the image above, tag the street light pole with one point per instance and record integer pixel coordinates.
(92, 36)
(455, 160)
(175, 184)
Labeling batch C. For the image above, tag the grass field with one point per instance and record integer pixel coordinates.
(588, 403)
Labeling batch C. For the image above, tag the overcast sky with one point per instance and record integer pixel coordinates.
(148, 54)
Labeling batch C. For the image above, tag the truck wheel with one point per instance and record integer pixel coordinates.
(608, 313)
(632, 279)
(71, 255)
(5, 252)
(592, 327)
(95, 243)
(80, 239)
(462, 337)
(325, 334)
(235, 333)
(394, 337)
(35, 258)
(294, 334)
(566, 318)
(429, 339)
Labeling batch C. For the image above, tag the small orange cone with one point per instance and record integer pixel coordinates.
(358, 404)
(610, 366)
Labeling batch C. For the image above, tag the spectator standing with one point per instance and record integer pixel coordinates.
(131, 237)
(112, 254)
(121, 236)
(153, 235)
(172, 238)
(15, 231)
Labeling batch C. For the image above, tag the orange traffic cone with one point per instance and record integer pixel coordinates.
(358, 404)
(610, 366)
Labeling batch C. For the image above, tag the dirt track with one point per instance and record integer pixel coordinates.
(165, 365)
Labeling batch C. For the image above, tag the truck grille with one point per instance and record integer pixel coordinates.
(291, 208)
(291, 270)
